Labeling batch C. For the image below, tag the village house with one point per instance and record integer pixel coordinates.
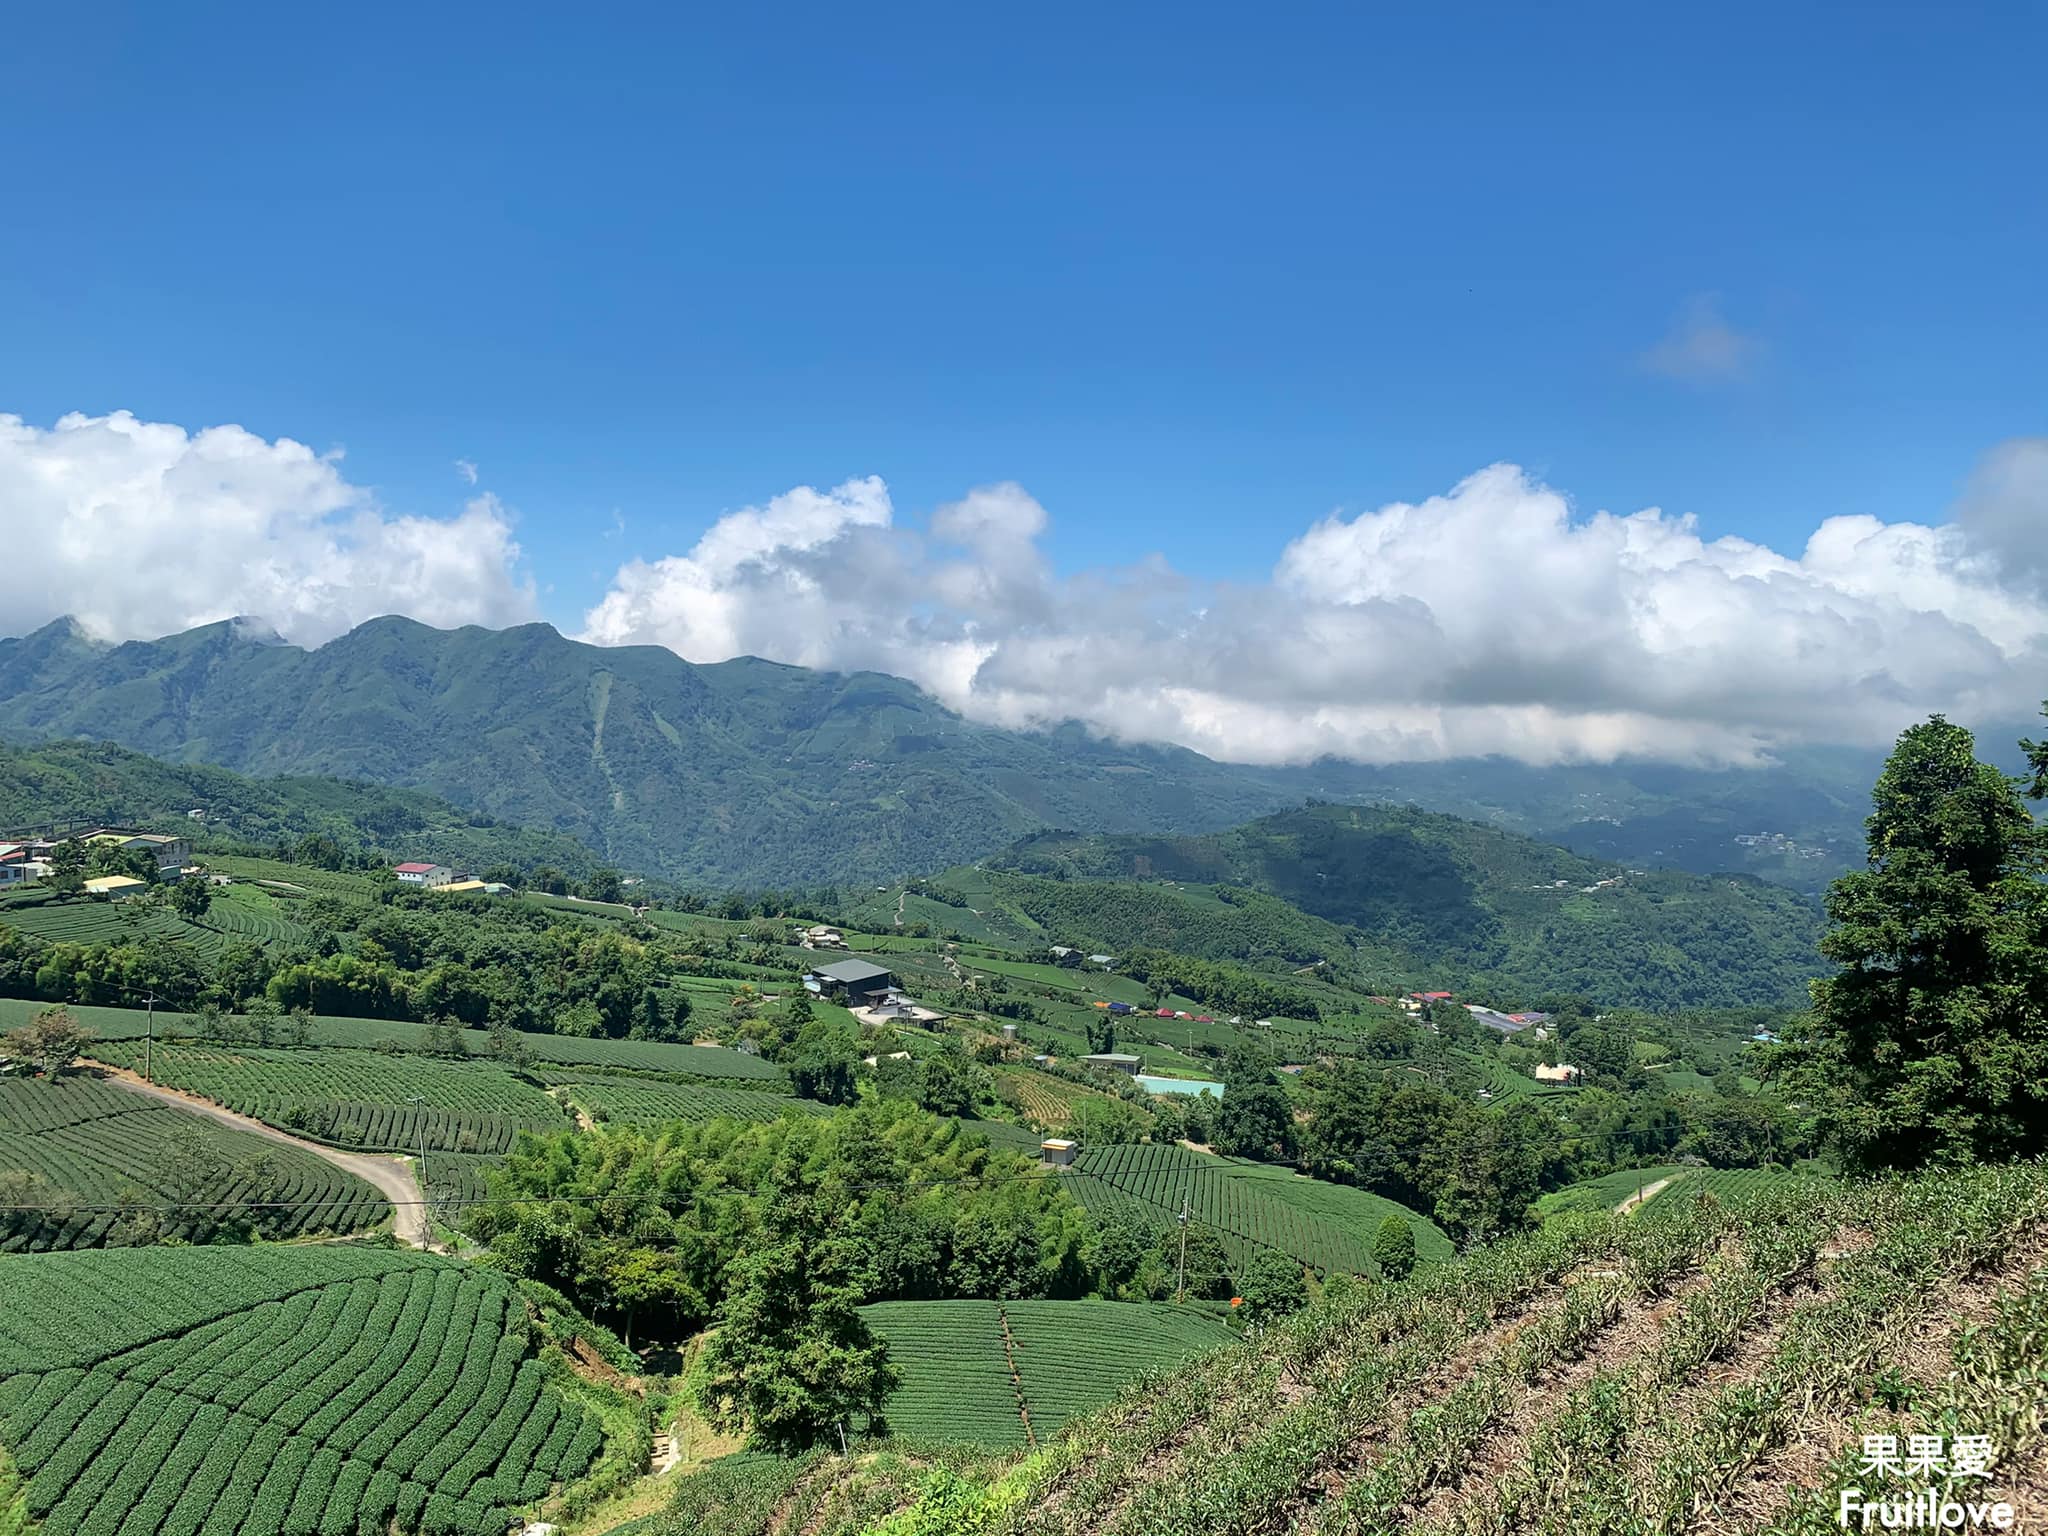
(426, 876)
(821, 936)
(853, 982)
(171, 853)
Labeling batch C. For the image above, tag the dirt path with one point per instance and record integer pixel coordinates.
(1647, 1193)
(388, 1175)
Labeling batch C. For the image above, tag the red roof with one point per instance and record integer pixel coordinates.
(1164, 1013)
(413, 869)
(1430, 997)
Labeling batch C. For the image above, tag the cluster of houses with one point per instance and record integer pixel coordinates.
(29, 859)
(820, 936)
(439, 877)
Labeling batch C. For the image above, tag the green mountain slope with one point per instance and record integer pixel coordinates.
(61, 783)
(743, 771)
(747, 771)
(1427, 894)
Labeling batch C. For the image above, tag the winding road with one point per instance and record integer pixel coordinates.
(390, 1176)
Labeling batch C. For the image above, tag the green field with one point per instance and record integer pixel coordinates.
(96, 1144)
(355, 1098)
(707, 1061)
(1607, 1191)
(655, 1103)
(87, 920)
(1329, 1227)
(1070, 1356)
(309, 1389)
(1725, 1184)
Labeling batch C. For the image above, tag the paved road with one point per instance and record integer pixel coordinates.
(392, 1178)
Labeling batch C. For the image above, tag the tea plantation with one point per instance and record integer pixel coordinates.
(1250, 1205)
(355, 1098)
(1008, 1373)
(315, 1389)
(94, 1144)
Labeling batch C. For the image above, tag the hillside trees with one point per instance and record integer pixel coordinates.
(791, 1356)
(50, 1042)
(1930, 1044)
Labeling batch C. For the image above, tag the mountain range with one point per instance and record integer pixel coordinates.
(752, 772)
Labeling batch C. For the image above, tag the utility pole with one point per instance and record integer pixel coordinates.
(149, 1039)
(426, 1209)
(1180, 1284)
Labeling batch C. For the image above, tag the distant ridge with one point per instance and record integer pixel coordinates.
(749, 772)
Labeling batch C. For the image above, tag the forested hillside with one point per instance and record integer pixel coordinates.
(743, 772)
(66, 783)
(1420, 893)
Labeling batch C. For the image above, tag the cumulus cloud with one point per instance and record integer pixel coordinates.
(1489, 619)
(1701, 346)
(140, 529)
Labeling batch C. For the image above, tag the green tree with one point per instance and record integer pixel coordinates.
(1254, 1122)
(822, 1063)
(791, 1356)
(50, 1042)
(1931, 1043)
(1272, 1287)
(67, 866)
(192, 897)
(1393, 1248)
(952, 1084)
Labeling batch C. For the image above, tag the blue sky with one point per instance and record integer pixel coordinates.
(1194, 277)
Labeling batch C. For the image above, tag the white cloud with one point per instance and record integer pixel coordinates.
(141, 529)
(1490, 619)
(1702, 347)
(467, 470)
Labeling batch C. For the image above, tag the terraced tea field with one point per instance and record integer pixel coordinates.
(626, 1102)
(1713, 1370)
(355, 1098)
(95, 1144)
(703, 1061)
(1329, 1227)
(1049, 1101)
(89, 921)
(309, 1389)
(956, 1359)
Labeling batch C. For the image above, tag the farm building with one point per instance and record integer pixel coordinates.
(169, 852)
(426, 876)
(853, 981)
(1058, 1152)
(461, 888)
(1113, 1061)
(1105, 961)
(116, 886)
(1561, 1073)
